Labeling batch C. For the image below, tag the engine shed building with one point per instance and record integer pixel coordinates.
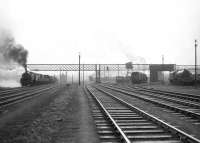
(155, 68)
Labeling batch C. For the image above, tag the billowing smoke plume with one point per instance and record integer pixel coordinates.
(13, 58)
(128, 52)
(135, 59)
(11, 51)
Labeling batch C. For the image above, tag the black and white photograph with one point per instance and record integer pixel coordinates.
(99, 71)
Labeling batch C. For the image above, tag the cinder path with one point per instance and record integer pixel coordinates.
(66, 119)
(79, 126)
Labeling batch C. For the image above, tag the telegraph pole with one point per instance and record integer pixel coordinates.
(83, 75)
(104, 72)
(107, 68)
(66, 76)
(163, 67)
(118, 70)
(72, 79)
(60, 75)
(79, 70)
(195, 75)
(96, 71)
(99, 73)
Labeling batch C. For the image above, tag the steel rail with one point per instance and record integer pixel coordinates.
(23, 93)
(101, 121)
(21, 89)
(2, 89)
(182, 135)
(11, 95)
(17, 99)
(193, 114)
(173, 93)
(29, 97)
(123, 136)
(2, 93)
(172, 99)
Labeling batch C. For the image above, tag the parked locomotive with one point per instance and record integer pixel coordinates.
(182, 77)
(138, 77)
(31, 79)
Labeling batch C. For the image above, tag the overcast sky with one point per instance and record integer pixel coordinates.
(104, 31)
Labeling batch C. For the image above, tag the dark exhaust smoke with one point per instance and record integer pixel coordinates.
(12, 51)
(13, 59)
(17, 53)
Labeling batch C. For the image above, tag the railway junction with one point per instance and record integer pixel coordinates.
(100, 110)
(106, 71)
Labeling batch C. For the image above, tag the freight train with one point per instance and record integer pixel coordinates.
(181, 77)
(138, 77)
(135, 78)
(31, 79)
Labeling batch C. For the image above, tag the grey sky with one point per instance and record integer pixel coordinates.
(106, 31)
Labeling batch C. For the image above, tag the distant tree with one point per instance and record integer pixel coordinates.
(129, 66)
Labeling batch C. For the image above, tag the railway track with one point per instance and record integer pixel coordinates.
(20, 89)
(191, 97)
(104, 125)
(25, 94)
(186, 100)
(118, 121)
(186, 109)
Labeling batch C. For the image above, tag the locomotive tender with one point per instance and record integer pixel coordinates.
(31, 79)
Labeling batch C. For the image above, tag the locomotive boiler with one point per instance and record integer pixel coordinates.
(31, 79)
(181, 77)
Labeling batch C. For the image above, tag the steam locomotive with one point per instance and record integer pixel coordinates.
(138, 77)
(31, 79)
(182, 77)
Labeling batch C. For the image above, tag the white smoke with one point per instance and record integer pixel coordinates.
(12, 59)
(10, 78)
(128, 52)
